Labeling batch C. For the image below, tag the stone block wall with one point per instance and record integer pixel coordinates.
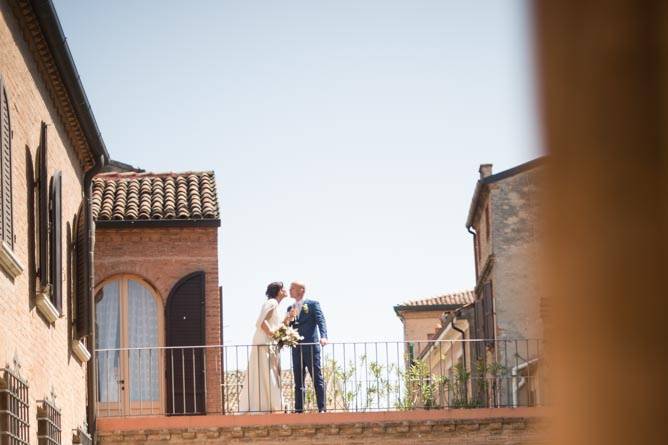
(515, 237)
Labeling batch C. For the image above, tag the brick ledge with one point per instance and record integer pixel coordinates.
(485, 415)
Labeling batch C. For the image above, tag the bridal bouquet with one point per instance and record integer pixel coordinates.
(287, 336)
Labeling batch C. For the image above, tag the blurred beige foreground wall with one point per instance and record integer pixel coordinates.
(603, 84)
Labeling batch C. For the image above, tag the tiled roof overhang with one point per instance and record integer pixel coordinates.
(155, 199)
(439, 303)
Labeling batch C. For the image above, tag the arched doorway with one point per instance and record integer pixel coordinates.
(129, 327)
(184, 370)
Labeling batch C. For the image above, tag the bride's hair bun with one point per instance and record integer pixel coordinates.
(274, 288)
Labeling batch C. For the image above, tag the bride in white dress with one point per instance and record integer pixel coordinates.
(261, 391)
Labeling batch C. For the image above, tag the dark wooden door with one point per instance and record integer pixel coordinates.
(184, 362)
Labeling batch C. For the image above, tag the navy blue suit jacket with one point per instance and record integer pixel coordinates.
(310, 321)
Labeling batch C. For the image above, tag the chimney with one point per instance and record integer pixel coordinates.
(485, 170)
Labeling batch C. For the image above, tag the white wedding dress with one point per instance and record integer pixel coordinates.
(261, 391)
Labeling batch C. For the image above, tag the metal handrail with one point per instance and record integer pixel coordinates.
(468, 340)
(357, 376)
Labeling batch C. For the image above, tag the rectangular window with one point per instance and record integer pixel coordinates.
(48, 423)
(43, 209)
(14, 425)
(49, 218)
(488, 229)
(55, 241)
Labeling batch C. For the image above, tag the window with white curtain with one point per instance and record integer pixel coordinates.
(142, 333)
(128, 333)
(107, 341)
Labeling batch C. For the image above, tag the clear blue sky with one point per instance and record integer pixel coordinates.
(345, 134)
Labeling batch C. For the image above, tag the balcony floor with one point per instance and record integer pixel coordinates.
(119, 424)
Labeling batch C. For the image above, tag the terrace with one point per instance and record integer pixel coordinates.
(166, 390)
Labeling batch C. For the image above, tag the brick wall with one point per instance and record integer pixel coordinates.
(443, 427)
(42, 349)
(514, 244)
(515, 239)
(513, 204)
(161, 257)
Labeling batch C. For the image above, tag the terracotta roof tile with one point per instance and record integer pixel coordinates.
(453, 299)
(128, 196)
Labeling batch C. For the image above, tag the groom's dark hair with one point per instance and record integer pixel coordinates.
(274, 288)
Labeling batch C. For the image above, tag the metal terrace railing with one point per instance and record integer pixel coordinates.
(358, 377)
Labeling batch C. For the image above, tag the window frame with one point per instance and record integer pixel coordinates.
(49, 234)
(124, 406)
(55, 241)
(42, 209)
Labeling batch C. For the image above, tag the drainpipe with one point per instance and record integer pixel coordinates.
(91, 370)
(454, 326)
(475, 250)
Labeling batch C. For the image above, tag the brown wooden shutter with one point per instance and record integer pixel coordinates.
(479, 355)
(6, 228)
(56, 244)
(479, 328)
(479, 319)
(83, 268)
(488, 305)
(43, 208)
(184, 315)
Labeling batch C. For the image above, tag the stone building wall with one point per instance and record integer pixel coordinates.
(42, 349)
(418, 325)
(516, 284)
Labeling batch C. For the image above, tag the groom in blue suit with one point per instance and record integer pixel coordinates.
(308, 319)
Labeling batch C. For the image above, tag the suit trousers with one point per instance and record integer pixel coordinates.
(307, 357)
